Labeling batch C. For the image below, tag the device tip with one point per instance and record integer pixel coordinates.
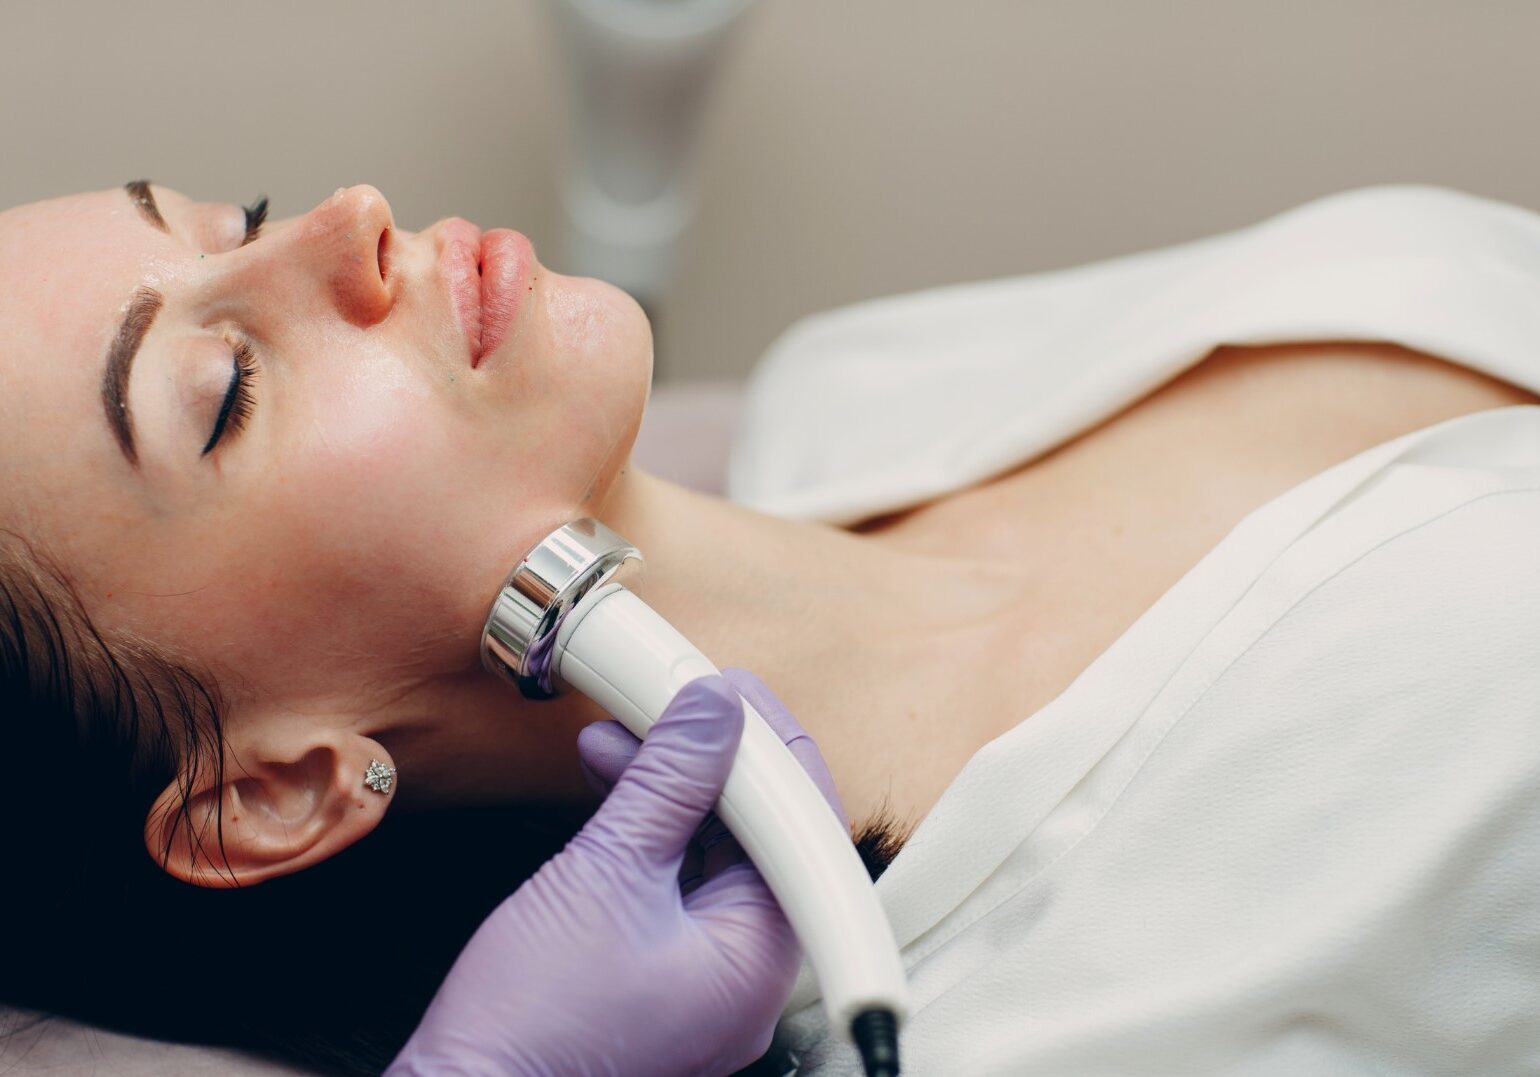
(876, 1034)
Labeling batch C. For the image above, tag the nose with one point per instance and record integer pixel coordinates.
(342, 245)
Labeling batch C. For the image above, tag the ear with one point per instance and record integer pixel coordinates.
(292, 794)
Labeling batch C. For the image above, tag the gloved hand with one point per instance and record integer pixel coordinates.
(605, 748)
(602, 963)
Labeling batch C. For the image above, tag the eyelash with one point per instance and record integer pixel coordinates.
(256, 213)
(238, 402)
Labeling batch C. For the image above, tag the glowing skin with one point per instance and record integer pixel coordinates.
(330, 564)
(367, 456)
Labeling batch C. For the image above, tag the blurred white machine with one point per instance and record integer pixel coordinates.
(640, 72)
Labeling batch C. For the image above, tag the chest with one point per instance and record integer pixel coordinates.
(1112, 519)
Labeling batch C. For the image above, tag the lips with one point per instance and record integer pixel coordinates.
(488, 278)
(506, 259)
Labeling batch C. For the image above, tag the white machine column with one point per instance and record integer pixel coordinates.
(640, 71)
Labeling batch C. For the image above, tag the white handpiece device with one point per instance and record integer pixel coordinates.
(564, 618)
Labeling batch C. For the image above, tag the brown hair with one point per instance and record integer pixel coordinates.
(92, 730)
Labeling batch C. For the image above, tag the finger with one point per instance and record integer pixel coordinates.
(596, 783)
(797, 739)
(741, 881)
(606, 749)
(677, 775)
(741, 893)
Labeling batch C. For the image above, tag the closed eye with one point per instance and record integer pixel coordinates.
(239, 401)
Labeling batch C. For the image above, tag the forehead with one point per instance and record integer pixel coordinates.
(67, 267)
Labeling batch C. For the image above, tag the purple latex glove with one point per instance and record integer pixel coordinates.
(605, 748)
(602, 963)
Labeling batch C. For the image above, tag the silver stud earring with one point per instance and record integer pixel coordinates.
(379, 777)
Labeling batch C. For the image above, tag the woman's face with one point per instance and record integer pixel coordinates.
(345, 541)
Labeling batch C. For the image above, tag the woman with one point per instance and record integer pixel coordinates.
(314, 561)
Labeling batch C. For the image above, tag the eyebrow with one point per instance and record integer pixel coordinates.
(144, 201)
(120, 362)
(142, 308)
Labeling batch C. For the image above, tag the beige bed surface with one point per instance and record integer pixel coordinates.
(57, 1046)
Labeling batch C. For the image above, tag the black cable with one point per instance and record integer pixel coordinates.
(876, 1034)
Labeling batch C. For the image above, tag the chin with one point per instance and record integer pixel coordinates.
(596, 323)
(592, 319)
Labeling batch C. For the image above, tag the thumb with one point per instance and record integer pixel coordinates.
(605, 750)
(676, 777)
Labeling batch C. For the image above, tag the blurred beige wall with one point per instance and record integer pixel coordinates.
(855, 148)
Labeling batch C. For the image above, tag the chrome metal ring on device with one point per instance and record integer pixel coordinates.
(520, 634)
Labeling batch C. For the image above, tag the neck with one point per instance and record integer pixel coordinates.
(882, 655)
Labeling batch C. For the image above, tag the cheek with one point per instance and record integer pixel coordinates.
(377, 491)
(367, 448)
(346, 560)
